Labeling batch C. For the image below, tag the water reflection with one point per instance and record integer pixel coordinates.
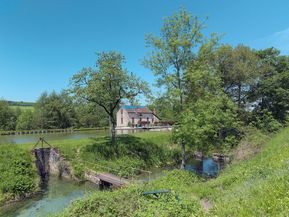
(59, 194)
(206, 167)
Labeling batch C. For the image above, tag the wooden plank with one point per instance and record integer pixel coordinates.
(112, 179)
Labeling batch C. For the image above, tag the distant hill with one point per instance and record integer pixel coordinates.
(20, 103)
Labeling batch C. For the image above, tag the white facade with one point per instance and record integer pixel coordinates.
(133, 116)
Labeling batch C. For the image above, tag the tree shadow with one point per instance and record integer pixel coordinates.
(127, 145)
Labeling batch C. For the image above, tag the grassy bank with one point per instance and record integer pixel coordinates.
(18, 176)
(255, 187)
(137, 151)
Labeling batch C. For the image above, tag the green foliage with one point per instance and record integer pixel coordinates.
(18, 176)
(25, 120)
(210, 123)
(131, 154)
(51, 111)
(107, 85)
(7, 116)
(239, 69)
(255, 187)
(130, 201)
(89, 116)
(54, 111)
(272, 92)
(264, 120)
(173, 50)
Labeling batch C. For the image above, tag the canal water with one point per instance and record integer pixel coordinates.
(57, 196)
(32, 138)
(207, 168)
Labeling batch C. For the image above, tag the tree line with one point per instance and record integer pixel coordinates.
(52, 111)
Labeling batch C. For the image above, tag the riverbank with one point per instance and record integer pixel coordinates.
(49, 131)
(257, 186)
(139, 151)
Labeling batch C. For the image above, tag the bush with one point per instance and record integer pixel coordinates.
(264, 120)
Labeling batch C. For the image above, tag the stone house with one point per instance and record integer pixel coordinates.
(135, 116)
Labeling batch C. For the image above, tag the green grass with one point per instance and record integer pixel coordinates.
(138, 151)
(258, 186)
(255, 187)
(22, 108)
(18, 175)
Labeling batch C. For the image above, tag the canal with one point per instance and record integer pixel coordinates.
(33, 138)
(58, 194)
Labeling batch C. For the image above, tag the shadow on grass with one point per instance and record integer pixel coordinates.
(129, 146)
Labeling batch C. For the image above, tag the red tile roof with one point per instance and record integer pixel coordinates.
(139, 110)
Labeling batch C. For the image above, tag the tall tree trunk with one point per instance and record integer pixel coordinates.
(112, 130)
(113, 134)
(180, 111)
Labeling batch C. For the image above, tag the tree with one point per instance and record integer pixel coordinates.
(25, 120)
(7, 116)
(89, 115)
(171, 55)
(271, 93)
(54, 111)
(107, 85)
(208, 124)
(239, 70)
(173, 51)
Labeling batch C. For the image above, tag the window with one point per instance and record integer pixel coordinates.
(121, 120)
(132, 120)
(121, 111)
(148, 119)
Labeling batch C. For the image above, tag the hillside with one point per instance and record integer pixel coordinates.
(255, 187)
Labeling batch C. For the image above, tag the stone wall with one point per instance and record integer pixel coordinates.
(49, 161)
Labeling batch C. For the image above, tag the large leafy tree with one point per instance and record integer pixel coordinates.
(107, 85)
(272, 90)
(171, 54)
(239, 70)
(209, 124)
(54, 111)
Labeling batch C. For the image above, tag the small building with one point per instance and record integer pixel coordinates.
(135, 116)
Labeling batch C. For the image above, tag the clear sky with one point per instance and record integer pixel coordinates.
(43, 43)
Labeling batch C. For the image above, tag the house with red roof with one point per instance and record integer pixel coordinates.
(135, 116)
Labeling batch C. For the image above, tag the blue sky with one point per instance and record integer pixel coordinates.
(43, 43)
